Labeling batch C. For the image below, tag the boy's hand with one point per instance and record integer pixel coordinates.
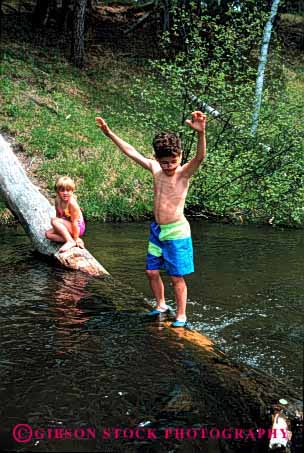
(103, 125)
(197, 122)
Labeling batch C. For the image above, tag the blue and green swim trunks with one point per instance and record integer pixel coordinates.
(170, 248)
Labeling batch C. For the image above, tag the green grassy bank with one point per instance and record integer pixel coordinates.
(49, 108)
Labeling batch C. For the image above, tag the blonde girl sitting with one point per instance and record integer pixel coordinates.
(68, 225)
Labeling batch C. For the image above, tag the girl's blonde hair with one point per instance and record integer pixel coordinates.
(64, 182)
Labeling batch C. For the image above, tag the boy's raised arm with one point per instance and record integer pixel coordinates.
(127, 149)
(198, 123)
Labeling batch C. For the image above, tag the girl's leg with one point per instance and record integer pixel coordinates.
(63, 228)
(52, 236)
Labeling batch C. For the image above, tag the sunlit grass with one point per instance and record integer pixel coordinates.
(51, 107)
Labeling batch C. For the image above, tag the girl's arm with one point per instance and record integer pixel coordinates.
(57, 207)
(75, 216)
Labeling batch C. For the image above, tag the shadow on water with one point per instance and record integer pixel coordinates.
(79, 352)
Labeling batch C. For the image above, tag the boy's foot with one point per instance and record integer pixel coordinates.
(178, 323)
(67, 246)
(159, 311)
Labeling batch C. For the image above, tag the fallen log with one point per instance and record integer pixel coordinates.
(255, 394)
(34, 212)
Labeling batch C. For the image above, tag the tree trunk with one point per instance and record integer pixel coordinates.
(78, 33)
(262, 65)
(34, 212)
(65, 15)
(41, 12)
(0, 24)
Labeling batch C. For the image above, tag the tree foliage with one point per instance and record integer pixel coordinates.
(214, 55)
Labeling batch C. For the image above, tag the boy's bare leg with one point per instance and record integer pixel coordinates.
(157, 287)
(180, 292)
(62, 228)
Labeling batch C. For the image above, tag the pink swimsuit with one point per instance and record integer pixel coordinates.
(64, 214)
(81, 224)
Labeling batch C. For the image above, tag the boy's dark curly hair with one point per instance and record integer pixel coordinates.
(167, 144)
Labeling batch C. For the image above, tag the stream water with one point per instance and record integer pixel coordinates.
(247, 292)
(76, 350)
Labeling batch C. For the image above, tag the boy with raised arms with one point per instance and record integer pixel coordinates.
(170, 244)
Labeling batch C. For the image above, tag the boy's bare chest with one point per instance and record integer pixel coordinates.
(170, 186)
